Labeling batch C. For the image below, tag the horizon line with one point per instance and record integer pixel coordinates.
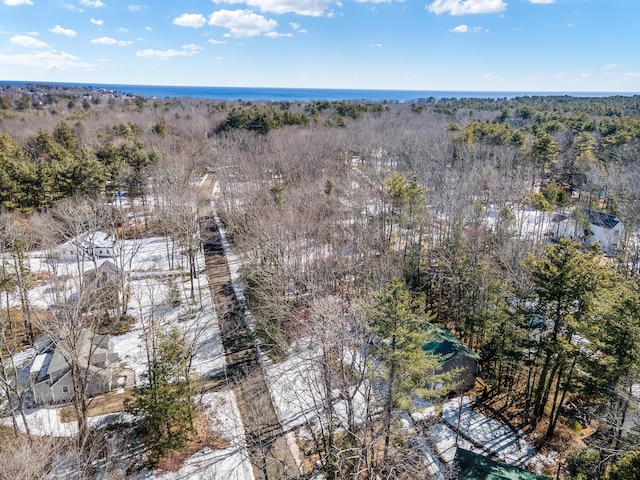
(99, 85)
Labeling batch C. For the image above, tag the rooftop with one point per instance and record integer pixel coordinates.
(448, 346)
(602, 219)
(474, 466)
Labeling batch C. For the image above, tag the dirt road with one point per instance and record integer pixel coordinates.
(267, 447)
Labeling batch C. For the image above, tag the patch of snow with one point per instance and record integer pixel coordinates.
(46, 421)
(491, 434)
(445, 439)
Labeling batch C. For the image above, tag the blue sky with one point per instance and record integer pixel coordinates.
(468, 45)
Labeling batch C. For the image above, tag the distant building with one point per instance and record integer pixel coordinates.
(473, 466)
(604, 229)
(50, 373)
(596, 227)
(97, 245)
(454, 355)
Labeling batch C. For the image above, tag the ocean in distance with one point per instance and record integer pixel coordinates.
(299, 94)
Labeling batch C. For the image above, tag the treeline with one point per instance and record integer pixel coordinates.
(53, 166)
(262, 119)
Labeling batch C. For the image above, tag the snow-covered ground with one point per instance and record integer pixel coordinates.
(46, 421)
(298, 392)
(198, 322)
(492, 435)
(433, 464)
(531, 223)
(296, 388)
(446, 441)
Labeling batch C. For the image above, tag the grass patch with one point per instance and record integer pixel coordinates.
(109, 403)
(116, 325)
(574, 425)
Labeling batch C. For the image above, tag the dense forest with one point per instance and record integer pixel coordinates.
(365, 225)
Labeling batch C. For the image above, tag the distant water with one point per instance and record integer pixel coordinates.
(300, 94)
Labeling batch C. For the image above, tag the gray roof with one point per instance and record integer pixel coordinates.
(601, 219)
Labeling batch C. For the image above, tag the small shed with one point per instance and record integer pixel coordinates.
(454, 355)
(473, 466)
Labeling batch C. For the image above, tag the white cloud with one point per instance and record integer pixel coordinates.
(193, 20)
(92, 3)
(314, 8)
(375, 45)
(611, 66)
(63, 31)
(28, 41)
(278, 35)
(111, 41)
(542, 1)
(242, 23)
(464, 7)
(136, 8)
(296, 26)
(148, 29)
(97, 22)
(216, 42)
(192, 46)
(465, 29)
(187, 51)
(45, 60)
(122, 30)
(15, 3)
(72, 8)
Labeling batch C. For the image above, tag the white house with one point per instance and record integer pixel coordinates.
(605, 229)
(99, 244)
(601, 228)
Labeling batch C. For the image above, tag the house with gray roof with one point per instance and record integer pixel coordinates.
(590, 227)
(50, 372)
(605, 229)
